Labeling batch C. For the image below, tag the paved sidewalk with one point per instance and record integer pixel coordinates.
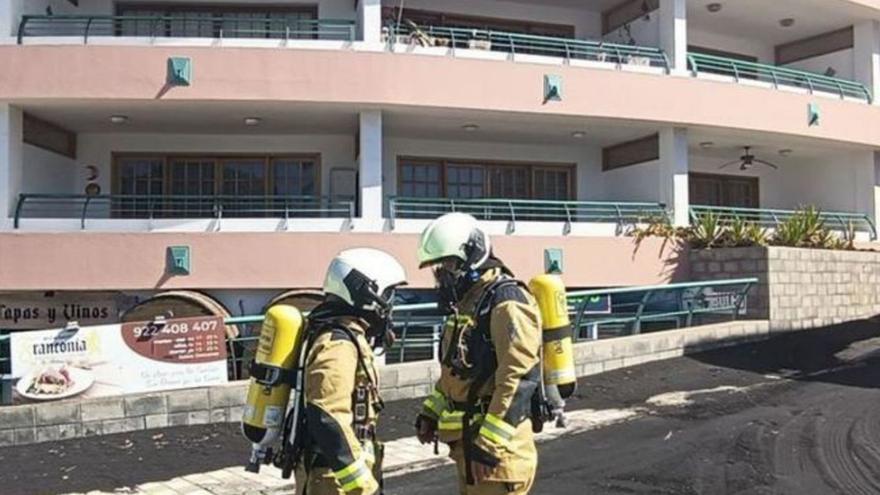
(402, 457)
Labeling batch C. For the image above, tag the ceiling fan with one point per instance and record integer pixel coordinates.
(748, 160)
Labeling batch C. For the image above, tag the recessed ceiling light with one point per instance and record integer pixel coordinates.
(714, 7)
(118, 119)
(470, 127)
(785, 152)
(578, 134)
(706, 144)
(252, 121)
(787, 22)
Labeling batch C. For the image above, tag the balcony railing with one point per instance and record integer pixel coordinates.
(84, 207)
(841, 221)
(777, 76)
(184, 27)
(513, 210)
(567, 48)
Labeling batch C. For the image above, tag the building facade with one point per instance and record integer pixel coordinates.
(233, 147)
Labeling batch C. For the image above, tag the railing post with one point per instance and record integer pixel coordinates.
(735, 71)
(452, 205)
(693, 60)
(840, 89)
(637, 324)
(567, 51)
(510, 38)
(82, 220)
(18, 207)
(810, 84)
(21, 28)
(740, 298)
(88, 28)
(392, 211)
(286, 215)
(512, 216)
(567, 219)
(775, 79)
(873, 231)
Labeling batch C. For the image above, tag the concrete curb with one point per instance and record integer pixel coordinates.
(47, 422)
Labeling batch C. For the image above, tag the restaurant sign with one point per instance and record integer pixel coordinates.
(31, 313)
(106, 360)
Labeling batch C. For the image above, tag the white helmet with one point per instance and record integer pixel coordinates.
(455, 235)
(364, 278)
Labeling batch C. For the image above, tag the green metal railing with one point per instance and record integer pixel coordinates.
(568, 48)
(777, 76)
(84, 207)
(767, 218)
(513, 210)
(675, 305)
(181, 26)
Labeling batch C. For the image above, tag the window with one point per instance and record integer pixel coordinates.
(141, 178)
(210, 21)
(294, 177)
(420, 180)
(465, 181)
(552, 183)
(193, 181)
(193, 186)
(473, 179)
(724, 190)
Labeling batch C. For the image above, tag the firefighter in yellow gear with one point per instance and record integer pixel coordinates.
(341, 454)
(485, 398)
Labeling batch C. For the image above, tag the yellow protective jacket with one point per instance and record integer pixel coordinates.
(341, 394)
(501, 427)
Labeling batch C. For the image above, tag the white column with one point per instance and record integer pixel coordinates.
(369, 21)
(673, 178)
(866, 56)
(370, 165)
(10, 159)
(10, 15)
(673, 33)
(867, 184)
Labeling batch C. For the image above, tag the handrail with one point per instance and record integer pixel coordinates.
(516, 210)
(776, 75)
(517, 43)
(135, 206)
(108, 25)
(771, 218)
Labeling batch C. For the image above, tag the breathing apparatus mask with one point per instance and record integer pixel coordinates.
(453, 277)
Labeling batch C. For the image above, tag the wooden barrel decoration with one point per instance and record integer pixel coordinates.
(180, 304)
(304, 300)
(191, 304)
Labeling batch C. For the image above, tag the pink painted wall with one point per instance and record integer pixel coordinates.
(383, 79)
(96, 261)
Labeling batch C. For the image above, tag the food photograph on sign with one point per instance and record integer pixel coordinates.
(107, 360)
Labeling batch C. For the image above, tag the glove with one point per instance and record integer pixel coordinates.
(426, 429)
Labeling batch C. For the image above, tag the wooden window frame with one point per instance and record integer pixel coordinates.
(756, 181)
(488, 165)
(218, 158)
(652, 153)
(34, 129)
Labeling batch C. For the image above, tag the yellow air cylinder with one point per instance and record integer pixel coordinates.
(277, 354)
(560, 378)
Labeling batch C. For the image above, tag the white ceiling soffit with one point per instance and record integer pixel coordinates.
(759, 19)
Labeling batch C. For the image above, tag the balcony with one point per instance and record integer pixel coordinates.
(859, 223)
(99, 209)
(84, 28)
(619, 214)
(776, 77)
(569, 49)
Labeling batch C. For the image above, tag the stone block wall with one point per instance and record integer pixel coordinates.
(798, 288)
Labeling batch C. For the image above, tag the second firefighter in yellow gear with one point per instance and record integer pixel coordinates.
(341, 454)
(490, 359)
